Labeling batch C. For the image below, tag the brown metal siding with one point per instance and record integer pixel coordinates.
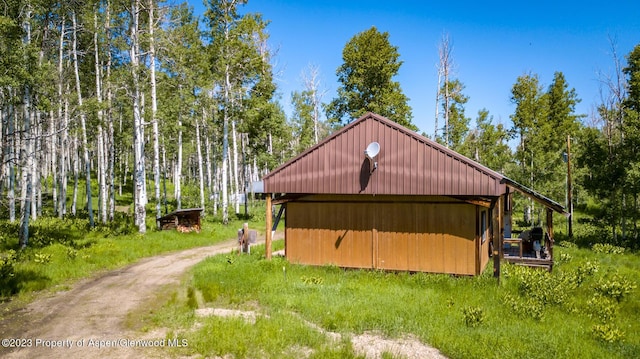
(329, 233)
(408, 164)
(414, 236)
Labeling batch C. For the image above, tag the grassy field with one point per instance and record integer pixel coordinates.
(62, 251)
(588, 308)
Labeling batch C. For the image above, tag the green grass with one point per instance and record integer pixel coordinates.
(61, 251)
(572, 312)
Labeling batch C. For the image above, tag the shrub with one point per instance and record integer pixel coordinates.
(7, 262)
(577, 277)
(566, 244)
(524, 307)
(607, 333)
(72, 253)
(42, 258)
(615, 287)
(563, 258)
(607, 248)
(601, 308)
(473, 316)
(540, 285)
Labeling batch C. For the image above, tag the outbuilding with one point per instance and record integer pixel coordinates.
(377, 195)
(183, 220)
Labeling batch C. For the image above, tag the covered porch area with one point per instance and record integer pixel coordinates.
(532, 247)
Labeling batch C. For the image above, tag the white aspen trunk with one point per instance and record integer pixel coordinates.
(125, 174)
(444, 71)
(3, 146)
(316, 115)
(199, 152)
(83, 123)
(243, 144)
(102, 161)
(256, 175)
(143, 108)
(154, 110)
(312, 84)
(35, 173)
(437, 117)
(53, 149)
(109, 138)
(11, 196)
(27, 181)
(225, 148)
(138, 126)
(22, 146)
(27, 176)
(207, 146)
(164, 174)
(216, 190)
(178, 171)
(235, 173)
(74, 203)
(64, 158)
(230, 176)
(101, 176)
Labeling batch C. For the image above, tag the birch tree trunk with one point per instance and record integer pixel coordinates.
(444, 71)
(200, 169)
(74, 203)
(109, 137)
(26, 175)
(11, 196)
(164, 175)
(236, 190)
(312, 84)
(83, 123)
(64, 154)
(207, 146)
(35, 173)
(53, 150)
(102, 156)
(178, 171)
(154, 110)
(138, 126)
(225, 147)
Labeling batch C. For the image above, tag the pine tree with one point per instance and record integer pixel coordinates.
(488, 143)
(366, 78)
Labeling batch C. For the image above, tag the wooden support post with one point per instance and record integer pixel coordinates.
(550, 233)
(269, 218)
(497, 237)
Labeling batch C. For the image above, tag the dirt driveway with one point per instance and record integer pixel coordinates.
(88, 321)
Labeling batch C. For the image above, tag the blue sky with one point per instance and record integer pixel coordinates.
(493, 43)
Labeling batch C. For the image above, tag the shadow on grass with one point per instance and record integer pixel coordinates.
(20, 280)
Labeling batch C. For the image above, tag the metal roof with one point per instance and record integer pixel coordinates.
(407, 164)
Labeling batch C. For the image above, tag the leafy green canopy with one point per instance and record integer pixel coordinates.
(366, 77)
(541, 123)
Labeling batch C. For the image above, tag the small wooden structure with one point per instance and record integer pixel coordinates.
(183, 220)
(418, 206)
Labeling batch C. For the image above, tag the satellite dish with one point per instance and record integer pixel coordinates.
(372, 150)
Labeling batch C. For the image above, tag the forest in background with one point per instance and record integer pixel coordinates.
(99, 99)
